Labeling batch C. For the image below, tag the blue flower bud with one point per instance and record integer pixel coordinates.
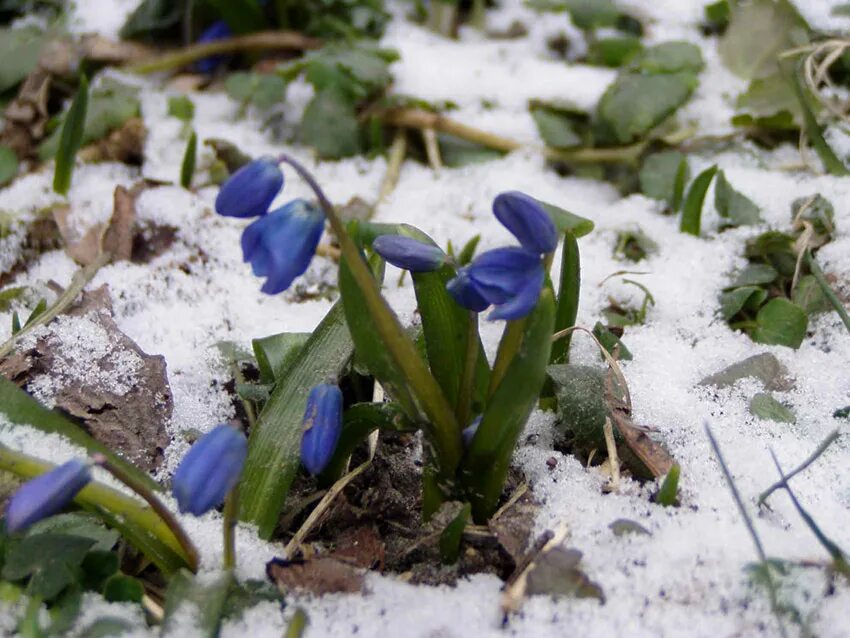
(527, 220)
(322, 427)
(218, 30)
(250, 191)
(465, 292)
(408, 253)
(46, 495)
(209, 470)
(280, 245)
(469, 431)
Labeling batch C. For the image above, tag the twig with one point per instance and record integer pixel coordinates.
(812, 458)
(398, 151)
(515, 591)
(518, 494)
(432, 149)
(79, 281)
(613, 457)
(153, 608)
(249, 42)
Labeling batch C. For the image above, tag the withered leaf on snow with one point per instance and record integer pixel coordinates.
(361, 547)
(319, 576)
(556, 572)
(83, 364)
(514, 526)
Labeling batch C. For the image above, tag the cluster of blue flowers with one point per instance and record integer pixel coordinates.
(508, 278)
(281, 243)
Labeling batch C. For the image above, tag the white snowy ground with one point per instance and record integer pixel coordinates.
(688, 577)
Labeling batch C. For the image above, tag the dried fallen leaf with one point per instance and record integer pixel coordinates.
(643, 456)
(514, 526)
(361, 547)
(83, 364)
(125, 144)
(26, 117)
(319, 576)
(556, 572)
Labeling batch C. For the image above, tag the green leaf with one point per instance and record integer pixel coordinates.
(488, 457)
(98, 566)
(39, 310)
(817, 210)
(668, 494)
(733, 301)
(717, 14)
(8, 295)
(736, 209)
(635, 104)
(567, 222)
(611, 342)
(242, 16)
(64, 611)
(121, 588)
(771, 103)
(759, 31)
(20, 50)
(276, 353)
(634, 245)
(71, 139)
(182, 107)
(152, 18)
(298, 624)
(330, 124)
(555, 128)
(692, 210)
(466, 253)
(78, 524)
(781, 322)
(262, 90)
(592, 14)
(205, 601)
(274, 444)
(452, 535)
(50, 561)
(663, 176)
(108, 107)
(106, 627)
(831, 162)
(669, 57)
(247, 594)
(187, 167)
(568, 297)
(613, 52)
(766, 407)
(354, 69)
(8, 165)
(457, 152)
(755, 275)
(810, 296)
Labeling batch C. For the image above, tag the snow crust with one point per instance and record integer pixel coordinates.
(688, 577)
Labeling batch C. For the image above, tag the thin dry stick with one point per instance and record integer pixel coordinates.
(833, 436)
(398, 151)
(432, 149)
(518, 494)
(613, 457)
(293, 545)
(82, 277)
(251, 42)
(153, 608)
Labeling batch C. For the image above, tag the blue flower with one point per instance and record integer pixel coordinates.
(322, 427)
(218, 30)
(46, 495)
(209, 470)
(281, 244)
(408, 253)
(510, 278)
(250, 191)
(528, 222)
(469, 431)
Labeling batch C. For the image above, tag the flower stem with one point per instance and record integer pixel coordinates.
(156, 505)
(467, 379)
(249, 42)
(231, 515)
(508, 346)
(82, 277)
(443, 426)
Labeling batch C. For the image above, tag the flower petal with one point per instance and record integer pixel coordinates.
(524, 301)
(465, 292)
(322, 425)
(501, 273)
(250, 191)
(46, 495)
(527, 220)
(408, 253)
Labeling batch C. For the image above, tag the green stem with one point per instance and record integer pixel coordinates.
(467, 379)
(508, 347)
(138, 524)
(443, 428)
(827, 289)
(568, 295)
(231, 515)
(156, 505)
(249, 42)
(82, 277)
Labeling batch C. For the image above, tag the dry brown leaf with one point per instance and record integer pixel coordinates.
(643, 456)
(361, 547)
(120, 394)
(27, 115)
(319, 576)
(125, 144)
(514, 526)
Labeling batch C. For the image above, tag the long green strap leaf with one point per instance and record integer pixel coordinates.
(568, 295)
(692, 211)
(136, 522)
(485, 466)
(71, 138)
(187, 167)
(274, 444)
(20, 408)
(831, 162)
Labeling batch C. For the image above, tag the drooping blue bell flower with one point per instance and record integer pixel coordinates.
(209, 470)
(510, 278)
(322, 427)
(469, 431)
(409, 254)
(250, 191)
(46, 495)
(218, 30)
(280, 245)
(527, 220)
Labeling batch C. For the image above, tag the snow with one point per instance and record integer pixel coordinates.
(688, 577)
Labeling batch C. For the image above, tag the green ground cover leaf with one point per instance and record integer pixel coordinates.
(781, 322)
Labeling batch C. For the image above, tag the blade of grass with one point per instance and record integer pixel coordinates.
(187, 168)
(692, 210)
(828, 292)
(833, 436)
(71, 138)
